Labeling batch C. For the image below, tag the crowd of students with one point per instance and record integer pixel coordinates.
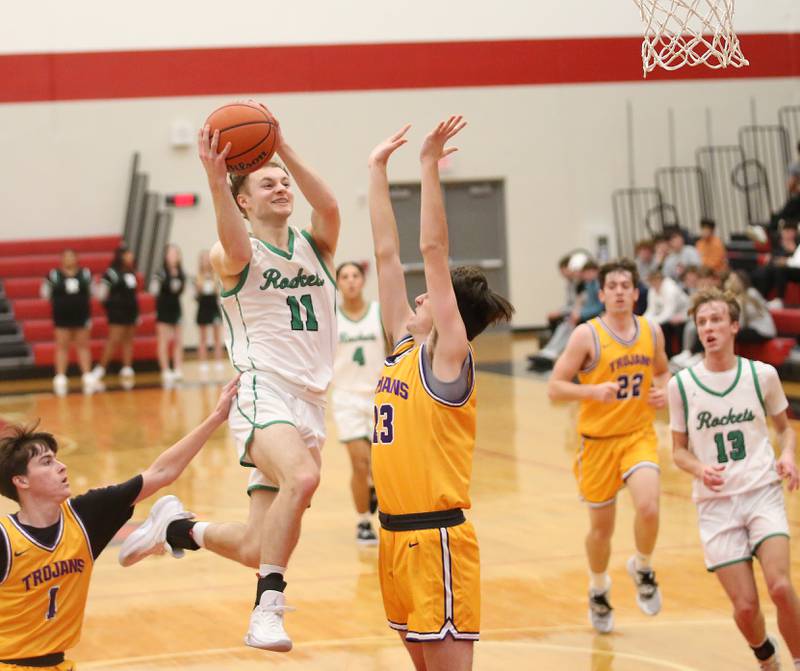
(71, 287)
(672, 267)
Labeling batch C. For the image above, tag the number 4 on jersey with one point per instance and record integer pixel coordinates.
(358, 356)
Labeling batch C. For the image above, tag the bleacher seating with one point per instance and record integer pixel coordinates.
(774, 352)
(26, 327)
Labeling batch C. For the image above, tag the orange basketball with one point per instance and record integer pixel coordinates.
(250, 129)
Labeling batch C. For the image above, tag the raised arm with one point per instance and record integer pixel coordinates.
(172, 462)
(230, 256)
(452, 345)
(325, 221)
(395, 311)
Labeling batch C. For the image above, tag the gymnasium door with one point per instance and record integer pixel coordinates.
(476, 219)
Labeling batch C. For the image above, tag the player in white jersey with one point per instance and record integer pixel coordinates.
(718, 416)
(278, 305)
(356, 369)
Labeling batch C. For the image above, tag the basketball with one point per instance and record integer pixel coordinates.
(250, 129)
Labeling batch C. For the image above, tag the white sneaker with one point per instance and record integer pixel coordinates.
(89, 383)
(648, 596)
(203, 370)
(98, 372)
(177, 374)
(127, 378)
(167, 379)
(151, 537)
(60, 385)
(266, 623)
(219, 368)
(774, 662)
(601, 614)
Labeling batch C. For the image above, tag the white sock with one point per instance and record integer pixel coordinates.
(599, 582)
(642, 562)
(265, 569)
(199, 532)
(365, 517)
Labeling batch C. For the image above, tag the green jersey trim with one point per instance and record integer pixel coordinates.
(767, 537)
(239, 284)
(313, 244)
(277, 250)
(685, 401)
(758, 386)
(729, 389)
(711, 569)
(230, 328)
(356, 321)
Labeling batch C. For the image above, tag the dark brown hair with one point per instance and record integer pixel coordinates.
(18, 446)
(711, 296)
(478, 305)
(358, 266)
(621, 265)
(238, 181)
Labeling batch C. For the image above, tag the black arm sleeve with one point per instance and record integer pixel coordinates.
(104, 511)
(4, 550)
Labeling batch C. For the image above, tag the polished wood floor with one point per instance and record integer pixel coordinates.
(192, 614)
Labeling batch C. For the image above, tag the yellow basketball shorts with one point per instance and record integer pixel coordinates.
(602, 465)
(431, 582)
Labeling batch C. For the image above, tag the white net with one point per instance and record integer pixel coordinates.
(689, 32)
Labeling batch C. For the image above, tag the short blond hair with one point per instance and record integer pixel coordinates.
(712, 296)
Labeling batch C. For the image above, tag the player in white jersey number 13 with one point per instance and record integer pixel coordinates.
(718, 416)
(278, 304)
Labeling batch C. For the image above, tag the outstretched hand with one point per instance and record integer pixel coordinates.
(212, 159)
(229, 392)
(433, 148)
(380, 155)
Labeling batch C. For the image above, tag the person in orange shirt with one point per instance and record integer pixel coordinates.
(711, 248)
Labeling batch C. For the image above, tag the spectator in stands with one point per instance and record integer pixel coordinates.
(764, 277)
(668, 306)
(755, 321)
(587, 306)
(68, 288)
(645, 257)
(661, 251)
(790, 212)
(708, 279)
(167, 286)
(118, 290)
(208, 315)
(710, 247)
(689, 279)
(571, 276)
(680, 256)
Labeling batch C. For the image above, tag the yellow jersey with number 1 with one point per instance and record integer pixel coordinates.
(422, 444)
(43, 594)
(629, 364)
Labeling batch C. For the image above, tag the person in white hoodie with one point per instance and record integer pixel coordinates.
(667, 305)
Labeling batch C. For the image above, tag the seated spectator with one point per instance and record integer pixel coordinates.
(661, 251)
(689, 279)
(571, 277)
(708, 279)
(766, 278)
(68, 288)
(710, 248)
(645, 257)
(668, 306)
(680, 256)
(587, 306)
(755, 321)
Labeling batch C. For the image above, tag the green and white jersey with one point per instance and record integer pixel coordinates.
(280, 317)
(360, 354)
(725, 417)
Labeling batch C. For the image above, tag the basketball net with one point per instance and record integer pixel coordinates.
(689, 32)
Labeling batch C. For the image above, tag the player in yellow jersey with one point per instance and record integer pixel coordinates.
(48, 548)
(424, 432)
(621, 367)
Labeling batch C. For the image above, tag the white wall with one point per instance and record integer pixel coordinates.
(561, 149)
(93, 25)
